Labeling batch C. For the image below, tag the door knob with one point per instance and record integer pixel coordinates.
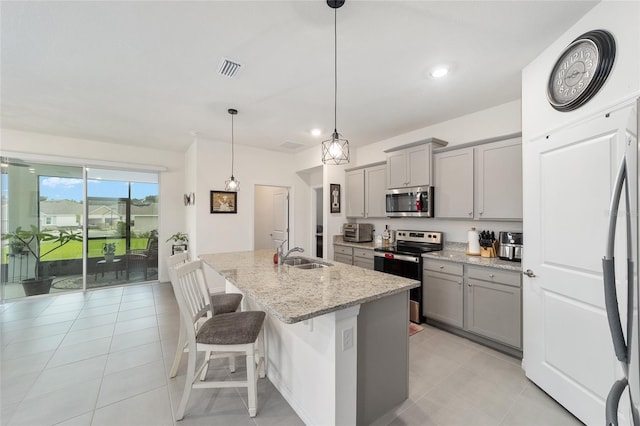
(529, 273)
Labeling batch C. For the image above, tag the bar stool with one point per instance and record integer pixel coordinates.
(222, 303)
(238, 332)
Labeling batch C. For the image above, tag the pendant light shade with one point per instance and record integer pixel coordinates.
(231, 184)
(336, 149)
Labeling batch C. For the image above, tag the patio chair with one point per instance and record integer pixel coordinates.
(143, 259)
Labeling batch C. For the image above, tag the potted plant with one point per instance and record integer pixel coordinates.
(180, 240)
(109, 251)
(31, 240)
(16, 246)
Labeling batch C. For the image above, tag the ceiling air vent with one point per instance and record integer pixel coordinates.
(291, 145)
(228, 68)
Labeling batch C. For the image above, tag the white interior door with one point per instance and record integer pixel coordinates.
(568, 179)
(280, 228)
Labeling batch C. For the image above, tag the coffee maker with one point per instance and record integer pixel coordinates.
(510, 246)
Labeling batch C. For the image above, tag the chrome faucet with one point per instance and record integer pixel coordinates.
(282, 257)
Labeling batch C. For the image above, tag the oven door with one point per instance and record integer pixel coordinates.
(407, 267)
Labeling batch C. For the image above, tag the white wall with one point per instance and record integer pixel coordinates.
(190, 185)
(218, 233)
(56, 149)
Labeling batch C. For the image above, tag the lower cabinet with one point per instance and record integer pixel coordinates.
(481, 300)
(343, 254)
(363, 258)
(443, 295)
(353, 256)
(494, 304)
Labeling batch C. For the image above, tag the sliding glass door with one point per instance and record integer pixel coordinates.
(62, 231)
(122, 227)
(42, 228)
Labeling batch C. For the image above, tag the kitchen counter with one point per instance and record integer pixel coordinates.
(340, 332)
(337, 239)
(453, 251)
(293, 295)
(462, 257)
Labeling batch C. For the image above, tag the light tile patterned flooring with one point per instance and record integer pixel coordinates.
(102, 358)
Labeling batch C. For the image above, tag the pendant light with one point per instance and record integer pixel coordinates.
(336, 149)
(231, 184)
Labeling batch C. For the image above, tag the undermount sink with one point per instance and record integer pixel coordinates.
(305, 263)
(296, 260)
(311, 266)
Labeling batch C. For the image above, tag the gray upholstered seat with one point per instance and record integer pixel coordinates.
(236, 328)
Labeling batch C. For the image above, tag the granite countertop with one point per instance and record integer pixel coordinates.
(455, 252)
(293, 295)
(337, 239)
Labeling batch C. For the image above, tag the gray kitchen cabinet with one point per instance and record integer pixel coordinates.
(478, 301)
(494, 304)
(363, 258)
(443, 296)
(343, 254)
(374, 190)
(411, 165)
(354, 182)
(482, 181)
(365, 186)
(453, 178)
(498, 180)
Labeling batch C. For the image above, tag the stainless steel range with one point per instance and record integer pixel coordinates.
(405, 259)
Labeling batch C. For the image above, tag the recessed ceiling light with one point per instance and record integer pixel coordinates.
(316, 132)
(439, 72)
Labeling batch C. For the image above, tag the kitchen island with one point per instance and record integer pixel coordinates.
(337, 336)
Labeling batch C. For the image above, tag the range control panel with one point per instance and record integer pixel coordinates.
(431, 237)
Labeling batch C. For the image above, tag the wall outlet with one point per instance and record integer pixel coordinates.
(347, 339)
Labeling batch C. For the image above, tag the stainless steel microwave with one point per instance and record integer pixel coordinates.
(410, 202)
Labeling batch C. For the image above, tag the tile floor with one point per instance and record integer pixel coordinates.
(102, 358)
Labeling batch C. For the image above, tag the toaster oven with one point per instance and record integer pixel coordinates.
(357, 232)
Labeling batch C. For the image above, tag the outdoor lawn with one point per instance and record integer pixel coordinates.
(73, 249)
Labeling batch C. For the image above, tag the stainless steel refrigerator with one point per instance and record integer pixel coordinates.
(624, 330)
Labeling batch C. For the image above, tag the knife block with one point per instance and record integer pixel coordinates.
(489, 251)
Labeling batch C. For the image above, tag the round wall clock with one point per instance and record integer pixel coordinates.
(581, 70)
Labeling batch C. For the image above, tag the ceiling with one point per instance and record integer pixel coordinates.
(145, 73)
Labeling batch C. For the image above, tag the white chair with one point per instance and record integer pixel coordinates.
(222, 303)
(231, 332)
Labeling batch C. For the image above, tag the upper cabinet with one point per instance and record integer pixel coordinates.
(498, 179)
(365, 187)
(480, 182)
(411, 165)
(453, 180)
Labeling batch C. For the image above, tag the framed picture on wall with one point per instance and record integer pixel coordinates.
(224, 202)
(334, 197)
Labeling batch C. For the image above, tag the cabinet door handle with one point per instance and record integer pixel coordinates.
(459, 282)
(470, 213)
(480, 213)
(529, 273)
(491, 275)
(441, 267)
(469, 284)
